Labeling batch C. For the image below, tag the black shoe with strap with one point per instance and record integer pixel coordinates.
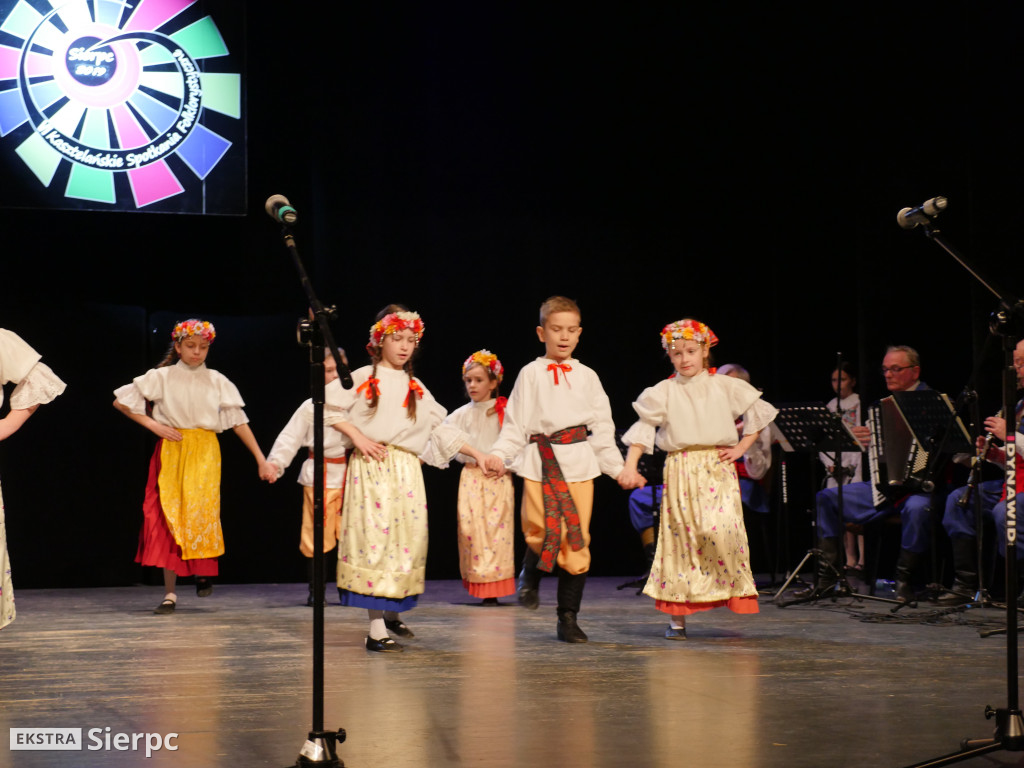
(399, 627)
(384, 645)
(165, 607)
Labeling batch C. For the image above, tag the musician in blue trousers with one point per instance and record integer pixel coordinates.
(960, 523)
(959, 519)
(901, 368)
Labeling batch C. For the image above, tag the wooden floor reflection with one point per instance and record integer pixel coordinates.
(829, 684)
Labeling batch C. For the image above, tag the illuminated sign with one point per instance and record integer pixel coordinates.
(111, 105)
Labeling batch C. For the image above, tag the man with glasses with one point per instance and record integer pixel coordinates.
(959, 518)
(901, 368)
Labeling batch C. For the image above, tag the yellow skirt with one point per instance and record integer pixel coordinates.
(189, 485)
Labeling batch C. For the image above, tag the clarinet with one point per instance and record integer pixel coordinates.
(972, 481)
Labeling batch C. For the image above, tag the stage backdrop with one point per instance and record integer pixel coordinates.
(115, 107)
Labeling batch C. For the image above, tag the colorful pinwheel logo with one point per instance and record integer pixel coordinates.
(96, 90)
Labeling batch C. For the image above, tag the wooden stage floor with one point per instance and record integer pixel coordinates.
(826, 684)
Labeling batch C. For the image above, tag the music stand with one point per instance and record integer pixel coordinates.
(934, 423)
(812, 427)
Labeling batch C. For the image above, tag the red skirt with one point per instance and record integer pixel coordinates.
(501, 588)
(157, 546)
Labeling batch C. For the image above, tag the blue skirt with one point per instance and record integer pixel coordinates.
(356, 600)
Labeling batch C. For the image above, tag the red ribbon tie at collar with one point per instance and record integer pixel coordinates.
(563, 367)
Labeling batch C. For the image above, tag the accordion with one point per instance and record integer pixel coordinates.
(895, 459)
(898, 462)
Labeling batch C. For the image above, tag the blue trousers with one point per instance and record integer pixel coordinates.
(644, 501)
(914, 512)
(959, 521)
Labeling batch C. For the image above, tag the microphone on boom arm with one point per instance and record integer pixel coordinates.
(908, 218)
(280, 210)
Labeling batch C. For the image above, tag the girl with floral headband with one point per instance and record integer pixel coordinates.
(185, 404)
(702, 559)
(486, 504)
(393, 423)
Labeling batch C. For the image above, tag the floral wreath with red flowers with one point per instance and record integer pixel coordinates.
(488, 360)
(186, 328)
(690, 330)
(395, 322)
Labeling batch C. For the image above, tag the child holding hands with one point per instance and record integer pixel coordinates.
(555, 403)
(298, 433)
(394, 423)
(485, 505)
(702, 559)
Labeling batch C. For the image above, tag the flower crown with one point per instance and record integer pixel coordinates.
(194, 327)
(488, 360)
(691, 330)
(394, 322)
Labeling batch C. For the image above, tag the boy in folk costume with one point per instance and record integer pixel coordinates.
(298, 433)
(555, 403)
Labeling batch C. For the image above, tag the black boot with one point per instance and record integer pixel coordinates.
(829, 567)
(570, 595)
(965, 573)
(904, 576)
(649, 550)
(529, 581)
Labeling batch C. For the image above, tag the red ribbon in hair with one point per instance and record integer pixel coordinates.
(499, 408)
(372, 387)
(414, 386)
(556, 367)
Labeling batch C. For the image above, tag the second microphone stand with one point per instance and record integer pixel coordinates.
(319, 748)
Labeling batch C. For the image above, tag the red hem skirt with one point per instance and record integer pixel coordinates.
(156, 545)
(502, 588)
(734, 604)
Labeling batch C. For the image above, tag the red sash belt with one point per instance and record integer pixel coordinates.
(336, 460)
(558, 503)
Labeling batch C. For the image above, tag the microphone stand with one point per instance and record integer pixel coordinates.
(1009, 731)
(319, 748)
(972, 498)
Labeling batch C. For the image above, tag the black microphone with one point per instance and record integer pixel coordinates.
(343, 372)
(909, 218)
(280, 210)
